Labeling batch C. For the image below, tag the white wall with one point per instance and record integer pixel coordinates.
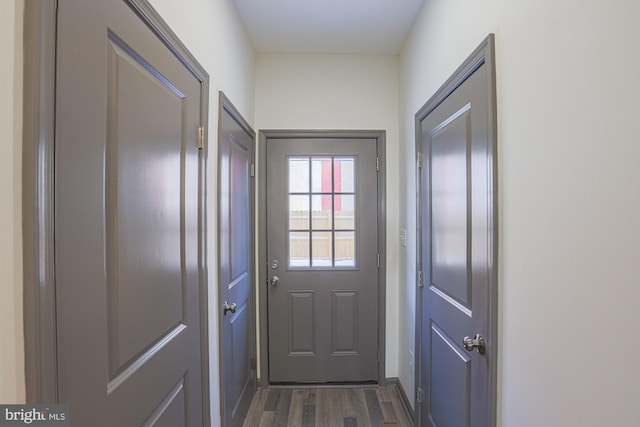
(12, 379)
(569, 198)
(214, 34)
(340, 92)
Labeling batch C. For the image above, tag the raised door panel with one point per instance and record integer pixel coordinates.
(145, 183)
(302, 323)
(171, 412)
(345, 322)
(450, 214)
(450, 371)
(239, 201)
(238, 326)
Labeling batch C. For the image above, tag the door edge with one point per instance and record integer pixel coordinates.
(39, 317)
(483, 54)
(262, 269)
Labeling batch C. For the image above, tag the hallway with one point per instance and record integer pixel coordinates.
(569, 229)
(324, 407)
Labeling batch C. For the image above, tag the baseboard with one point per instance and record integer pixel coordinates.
(395, 382)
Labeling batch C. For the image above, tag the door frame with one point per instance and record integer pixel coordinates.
(38, 197)
(263, 273)
(224, 104)
(484, 54)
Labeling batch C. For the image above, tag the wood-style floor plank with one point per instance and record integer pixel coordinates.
(296, 410)
(360, 405)
(272, 400)
(308, 416)
(256, 408)
(348, 409)
(401, 410)
(350, 422)
(328, 407)
(388, 413)
(373, 405)
(282, 409)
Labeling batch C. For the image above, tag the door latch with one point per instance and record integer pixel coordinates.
(230, 307)
(476, 343)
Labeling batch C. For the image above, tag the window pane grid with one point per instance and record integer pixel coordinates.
(322, 224)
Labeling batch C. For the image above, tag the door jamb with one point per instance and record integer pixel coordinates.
(264, 136)
(39, 292)
(483, 54)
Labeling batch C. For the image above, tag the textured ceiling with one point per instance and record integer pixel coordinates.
(328, 26)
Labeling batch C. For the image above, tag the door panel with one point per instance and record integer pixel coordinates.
(126, 222)
(448, 391)
(344, 322)
(301, 323)
(236, 276)
(322, 248)
(457, 219)
(449, 164)
(143, 219)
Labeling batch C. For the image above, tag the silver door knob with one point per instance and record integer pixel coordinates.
(476, 343)
(274, 281)
(232, 308)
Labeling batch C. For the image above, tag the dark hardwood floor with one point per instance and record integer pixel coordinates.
(328, 407)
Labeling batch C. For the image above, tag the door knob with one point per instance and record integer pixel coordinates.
(476, 343)
(232, 308)
(274, 281)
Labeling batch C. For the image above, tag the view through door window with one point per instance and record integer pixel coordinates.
(322, 226)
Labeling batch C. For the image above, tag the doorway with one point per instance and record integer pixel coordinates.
(456, 321)
(236, 277)
(322, 253)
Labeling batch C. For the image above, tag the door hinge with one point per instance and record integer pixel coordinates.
(377, 163)
(420, 279)
(378, 355)
(253, 363)
(420, 160)
(252, 171)
(200, 137)
(378, 261)
(419, 395)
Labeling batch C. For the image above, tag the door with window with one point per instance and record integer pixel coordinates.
(323, 258)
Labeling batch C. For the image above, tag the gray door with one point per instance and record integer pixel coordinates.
(456, 306)
(127, 215)
(322, 249)
(236, 274)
